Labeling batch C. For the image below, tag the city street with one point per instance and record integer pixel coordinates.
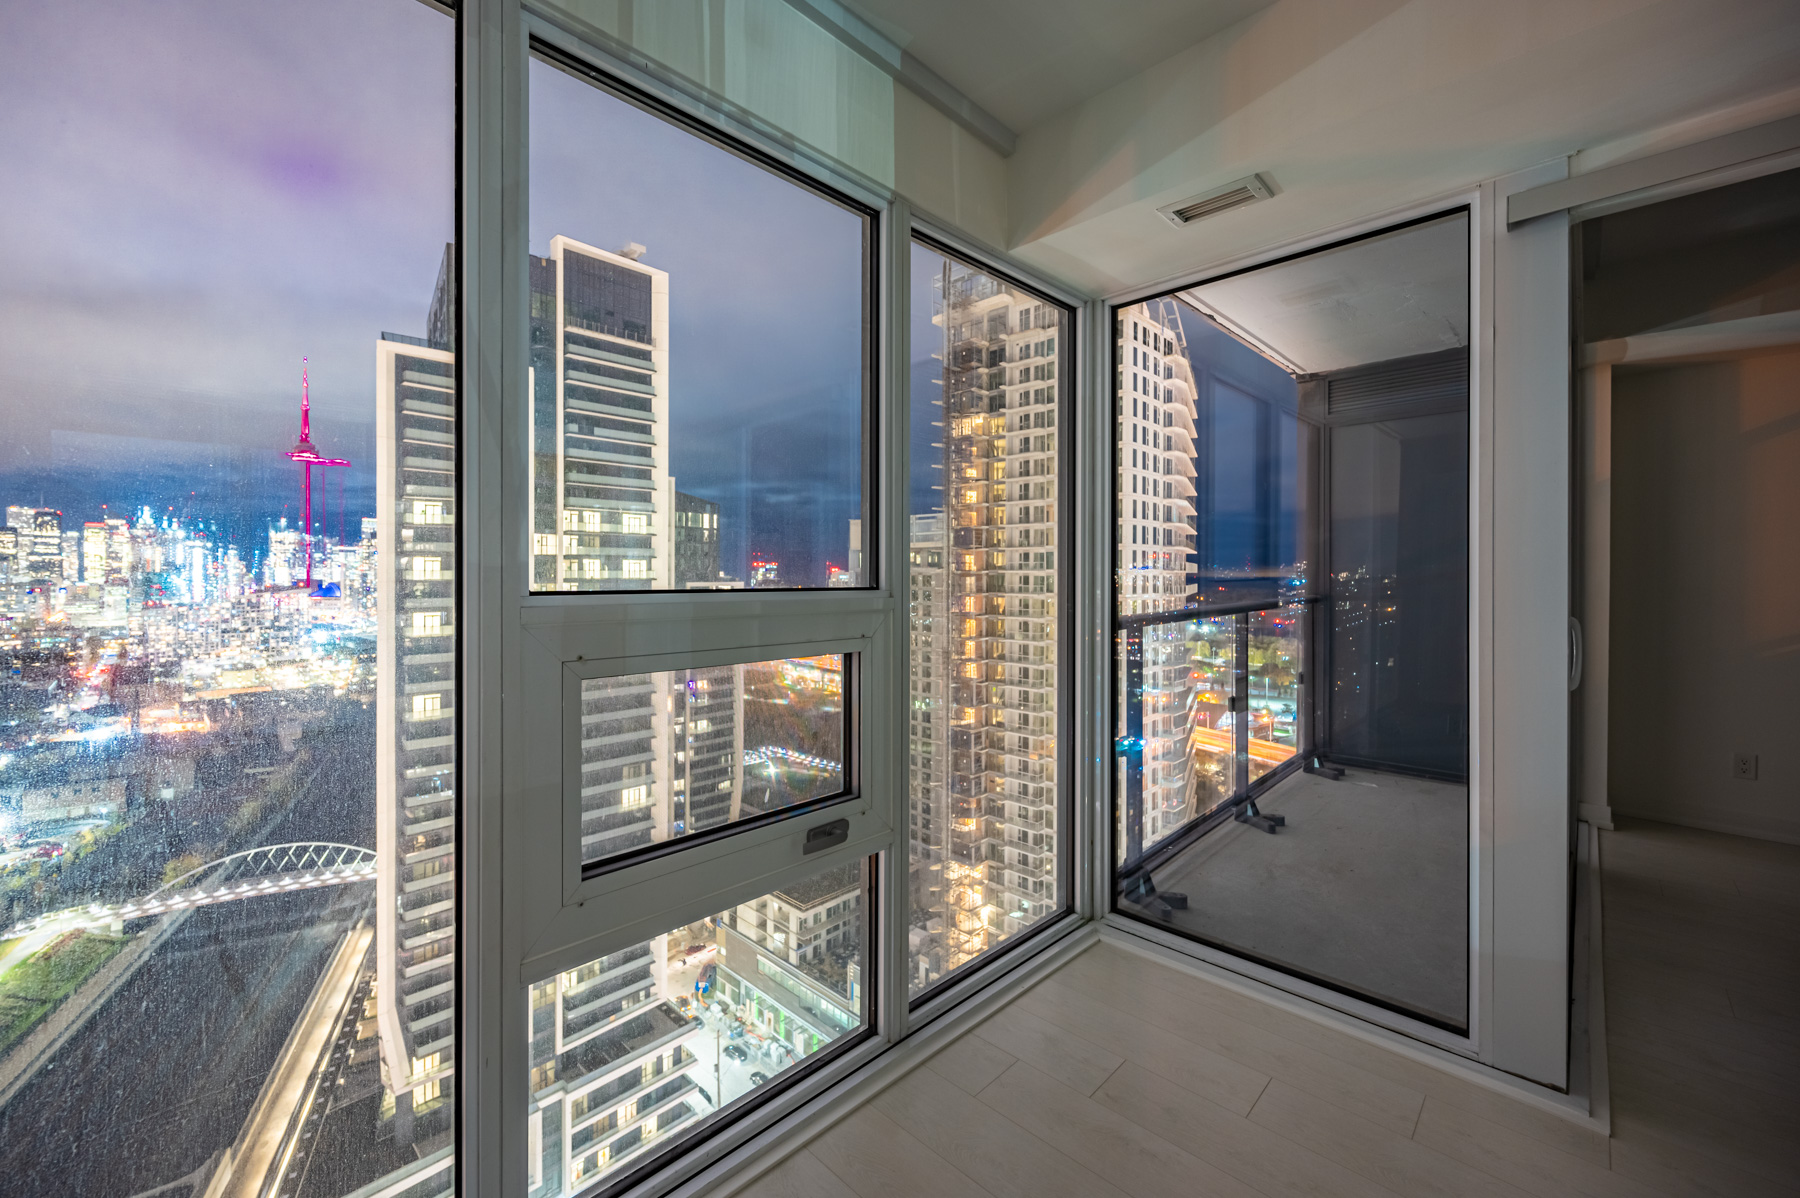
(734, 1077)
(719, 1070)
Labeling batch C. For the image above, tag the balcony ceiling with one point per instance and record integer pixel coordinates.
(1393, 296)
(1025, 60)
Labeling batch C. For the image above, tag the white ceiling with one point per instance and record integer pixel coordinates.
(1359, 108)
(1385, 297)
(1025, 60)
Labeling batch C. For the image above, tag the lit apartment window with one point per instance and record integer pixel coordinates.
(426, 569)
(425, 705)
(634, 522)
(427, 623)
(973, 909)
(636, 568)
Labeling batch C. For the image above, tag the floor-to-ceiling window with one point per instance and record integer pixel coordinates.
(988, 809)
(700, 820)
(1291, 582)
(229, 420)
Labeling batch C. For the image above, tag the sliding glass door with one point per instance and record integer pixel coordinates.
(1292, 614)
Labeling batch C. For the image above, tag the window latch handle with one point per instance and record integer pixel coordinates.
(827, 836)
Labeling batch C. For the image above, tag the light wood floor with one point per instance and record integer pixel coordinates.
(1703, 1009)
(1119, 1076)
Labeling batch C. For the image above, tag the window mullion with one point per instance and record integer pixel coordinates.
(491, 228)
(894, 474)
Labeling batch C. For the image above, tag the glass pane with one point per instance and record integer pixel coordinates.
(698, 368)
(1277, 657)
(982, 668)
(228, 599)
(635, 1051)
(1292, 457)
(1400, 586)
(673, 753)
(1176, 727)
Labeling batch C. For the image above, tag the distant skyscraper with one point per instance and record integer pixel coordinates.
(415, 530)
(696, 541)
(94, 545)
(195, 574)
(119, 560)
(850, 574)
(69, 542)
(928, 735)
(987, 868)
(765, 573)
(611, 1073)
(40, 541)
(706, 758)
(1155, 504)
(603, 497)
(283, 565)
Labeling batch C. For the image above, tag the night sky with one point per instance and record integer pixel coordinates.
(766, 308)
(199, 193)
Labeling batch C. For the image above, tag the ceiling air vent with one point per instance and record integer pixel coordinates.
(1235, 194)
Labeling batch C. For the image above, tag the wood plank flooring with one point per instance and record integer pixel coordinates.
(1703, 1010)
(1118, 1076)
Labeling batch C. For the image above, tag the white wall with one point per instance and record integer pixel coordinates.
(1705, 652)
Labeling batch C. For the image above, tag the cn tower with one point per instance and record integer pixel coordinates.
(308, 457)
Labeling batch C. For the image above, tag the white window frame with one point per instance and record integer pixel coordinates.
(1519, 904)
(1076, 745)
(522, 653)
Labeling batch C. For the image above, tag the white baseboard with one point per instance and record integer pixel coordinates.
(1597, 815)
(1728, 827)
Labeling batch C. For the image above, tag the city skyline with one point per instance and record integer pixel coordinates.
(208, 309)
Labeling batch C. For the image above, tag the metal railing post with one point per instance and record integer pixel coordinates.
(1240, 702)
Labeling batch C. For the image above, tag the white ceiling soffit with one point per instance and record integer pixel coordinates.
(1390, 296)
(1025, 60)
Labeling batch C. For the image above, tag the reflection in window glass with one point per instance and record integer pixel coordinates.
(1291, 591)
(669, 754)
(228, 619)
(698, 368)
(633, 1051)
(982, 667)
(1399, 536)
(1277, 653)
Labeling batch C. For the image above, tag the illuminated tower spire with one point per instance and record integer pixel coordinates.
(304, 453)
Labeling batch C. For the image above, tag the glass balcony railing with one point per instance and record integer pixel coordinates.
(1212, 711)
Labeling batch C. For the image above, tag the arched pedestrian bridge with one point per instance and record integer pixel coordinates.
(252, 873)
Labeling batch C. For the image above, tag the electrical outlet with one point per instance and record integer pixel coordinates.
(1743, 766)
